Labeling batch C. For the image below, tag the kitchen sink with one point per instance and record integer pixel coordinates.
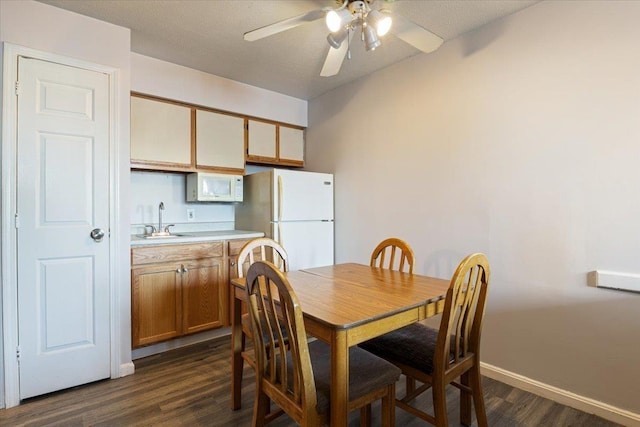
(162, 236)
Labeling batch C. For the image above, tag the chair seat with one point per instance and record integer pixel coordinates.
(367, 372)
(413, 346)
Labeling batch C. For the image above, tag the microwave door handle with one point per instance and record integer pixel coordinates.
(280, 197)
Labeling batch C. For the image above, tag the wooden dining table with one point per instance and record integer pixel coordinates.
(344, 305)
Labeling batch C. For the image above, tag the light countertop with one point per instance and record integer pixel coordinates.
(195, 236)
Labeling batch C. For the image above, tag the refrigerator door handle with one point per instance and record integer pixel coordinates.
(280, 196)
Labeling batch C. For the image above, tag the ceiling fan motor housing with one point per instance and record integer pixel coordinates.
(358, 6)
(341, 2)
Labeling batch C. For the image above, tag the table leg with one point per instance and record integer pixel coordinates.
(236, 352)
(339, 379)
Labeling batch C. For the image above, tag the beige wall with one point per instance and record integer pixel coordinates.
(160, 78)
(521, 140)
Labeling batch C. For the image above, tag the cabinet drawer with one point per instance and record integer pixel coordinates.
(154, 254)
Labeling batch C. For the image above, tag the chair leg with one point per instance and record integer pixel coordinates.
(465, 401)
(388, 405)
(365, 416)
(478, 396)
(411, 385)
(440, 403)
(237, 366)
(260, 408)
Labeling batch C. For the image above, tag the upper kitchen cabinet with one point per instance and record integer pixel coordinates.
(291, 144)
(274, 144)
(160, 135)
(219, 141)
(175, 136)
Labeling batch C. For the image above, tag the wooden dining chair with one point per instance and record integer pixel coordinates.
(296, 374)
(262, 249)
(393, 254)
(259, 249)
(439, 357)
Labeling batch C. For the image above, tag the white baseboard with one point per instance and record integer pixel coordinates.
(564, 397)
(127, 369)
(179, 342)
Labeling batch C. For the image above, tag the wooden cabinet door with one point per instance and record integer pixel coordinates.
(156, 303)
(275, 144)
(291, 145)
(261, 141)
(233, 251)
(160, 135)
(203, 292)
(219, 141)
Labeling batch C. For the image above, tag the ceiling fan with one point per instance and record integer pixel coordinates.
(350, 17)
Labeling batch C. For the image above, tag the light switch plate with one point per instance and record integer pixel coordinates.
(191, 215)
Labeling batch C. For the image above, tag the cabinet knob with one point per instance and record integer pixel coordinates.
(233, 264)
(185, 270)
(179, 270)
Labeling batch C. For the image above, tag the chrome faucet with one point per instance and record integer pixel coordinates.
(160, 209)
(159, 232)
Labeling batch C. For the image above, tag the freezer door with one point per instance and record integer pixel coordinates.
(302, 196)
(308, 243)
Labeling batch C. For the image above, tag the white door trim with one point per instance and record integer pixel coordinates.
(8, 263)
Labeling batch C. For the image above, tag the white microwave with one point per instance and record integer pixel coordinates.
(214, 187)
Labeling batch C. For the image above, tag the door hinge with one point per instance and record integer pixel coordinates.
(17, 88)
(18, 353)
(17, 221)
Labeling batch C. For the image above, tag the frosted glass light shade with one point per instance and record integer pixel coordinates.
(336, 19)
(381, 22)
(336, 39)
(371, 40)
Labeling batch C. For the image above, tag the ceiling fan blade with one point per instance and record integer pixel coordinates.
(335, 57)
(414, 34)
(286, 24)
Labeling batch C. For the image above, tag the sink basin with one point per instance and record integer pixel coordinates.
(161, 236)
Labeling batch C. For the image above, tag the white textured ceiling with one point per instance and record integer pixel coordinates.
(207, 36)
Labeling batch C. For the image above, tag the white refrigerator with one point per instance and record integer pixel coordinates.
(294, 208)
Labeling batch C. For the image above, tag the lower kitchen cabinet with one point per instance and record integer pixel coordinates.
(233, 250)
(156, 304)
(177, 290)
(202, 289)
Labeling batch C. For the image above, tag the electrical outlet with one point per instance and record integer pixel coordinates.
(191, 215)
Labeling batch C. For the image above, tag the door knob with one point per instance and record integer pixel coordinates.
(97, 234)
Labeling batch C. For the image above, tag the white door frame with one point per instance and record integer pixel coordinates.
(8, 271)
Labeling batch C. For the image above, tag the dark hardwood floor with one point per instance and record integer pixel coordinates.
(190, 387)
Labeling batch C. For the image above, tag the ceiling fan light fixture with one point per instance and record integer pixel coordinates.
(371, 40)
(381, 22)
(337, 19)
(336, 39)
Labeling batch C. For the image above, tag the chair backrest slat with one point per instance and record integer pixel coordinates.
(282, 358)
(262, 249)
(400, 255)
(463, 312)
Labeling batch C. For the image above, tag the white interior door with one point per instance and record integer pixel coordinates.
(62, 195)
